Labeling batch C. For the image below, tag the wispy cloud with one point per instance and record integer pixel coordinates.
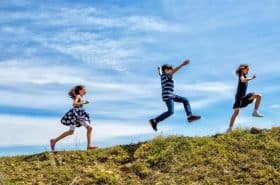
(275, 106)
(23, 126)
(114, 51)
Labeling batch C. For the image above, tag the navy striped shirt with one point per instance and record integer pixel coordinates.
(167, 85)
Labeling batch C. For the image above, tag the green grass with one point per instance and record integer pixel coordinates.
(236, 158)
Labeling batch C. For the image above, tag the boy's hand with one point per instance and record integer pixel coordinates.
(159, 70)
(186, 62)
(254, 76)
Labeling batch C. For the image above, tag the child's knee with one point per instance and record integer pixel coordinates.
(185, 100)
(236, 111)
(89, 128)
(171, 112)
(71, 132)
(257, 95)
(187, 103)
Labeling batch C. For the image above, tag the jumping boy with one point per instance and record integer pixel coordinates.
(166, 73)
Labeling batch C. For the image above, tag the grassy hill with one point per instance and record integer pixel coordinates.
(240, 157)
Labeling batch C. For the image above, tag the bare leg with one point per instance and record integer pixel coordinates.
(258, 98)
(89, 130)
(89, 145)
(233, 117)
(63, 135)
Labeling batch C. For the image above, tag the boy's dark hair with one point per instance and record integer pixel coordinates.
(75, 91)
(166, 66)
(240, 68)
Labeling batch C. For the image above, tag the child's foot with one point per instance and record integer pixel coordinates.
(193, 118)
(257, 114)
(91, 147)
(229, 129)
(153, 123)
(52, 144)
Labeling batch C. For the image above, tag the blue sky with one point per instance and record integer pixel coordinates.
(114, 47)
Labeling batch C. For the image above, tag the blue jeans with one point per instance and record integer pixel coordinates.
(170, 106)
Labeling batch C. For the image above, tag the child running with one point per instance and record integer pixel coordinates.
(166, 73)
(76, 117)
(241, 98)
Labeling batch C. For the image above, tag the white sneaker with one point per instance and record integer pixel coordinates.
(229, 129)
(257, 114)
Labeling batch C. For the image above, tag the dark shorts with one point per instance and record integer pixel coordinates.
(243, 102)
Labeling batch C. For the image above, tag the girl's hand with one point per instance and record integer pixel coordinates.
(86, 102)
(186, 62)
(254, 76)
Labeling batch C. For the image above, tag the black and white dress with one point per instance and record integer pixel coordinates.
(75, 117)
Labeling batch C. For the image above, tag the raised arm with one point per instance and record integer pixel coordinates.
(186, 62)
(159, 71)
(244, 80)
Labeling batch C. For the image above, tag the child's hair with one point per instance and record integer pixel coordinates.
(75, 91)
(166, 66)
(240, 68)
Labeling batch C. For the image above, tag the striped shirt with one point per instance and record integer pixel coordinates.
(167, 85)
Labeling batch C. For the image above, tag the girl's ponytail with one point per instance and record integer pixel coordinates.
(240, 68)
(75, 91)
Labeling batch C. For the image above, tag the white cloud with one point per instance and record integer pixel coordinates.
(214, 88)
(275, 106)
(43, 86)
(23, 130)
(35, 72)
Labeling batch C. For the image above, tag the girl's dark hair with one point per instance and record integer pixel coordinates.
(75, 91)
(166, 66)
(240, 68)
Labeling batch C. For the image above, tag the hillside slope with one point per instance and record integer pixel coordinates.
(236, 158)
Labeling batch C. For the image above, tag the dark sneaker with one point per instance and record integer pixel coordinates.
(153, 123)
(193, 118)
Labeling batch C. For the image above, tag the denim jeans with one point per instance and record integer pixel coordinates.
(170, 107)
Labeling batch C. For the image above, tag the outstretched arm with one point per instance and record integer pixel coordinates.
(186, 62)
(244, 80)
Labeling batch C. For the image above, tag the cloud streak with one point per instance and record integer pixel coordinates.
(114, 50)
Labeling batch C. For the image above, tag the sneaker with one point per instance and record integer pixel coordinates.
(153, 123)
(193, 118)
(257, 114)
(52, 144)
(91, 147)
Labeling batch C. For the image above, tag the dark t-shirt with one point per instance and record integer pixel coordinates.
(242, 88)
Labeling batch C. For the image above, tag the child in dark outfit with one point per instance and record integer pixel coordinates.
(241, 98)
(169, 97)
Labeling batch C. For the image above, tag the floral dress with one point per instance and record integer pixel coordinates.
(75, 116)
